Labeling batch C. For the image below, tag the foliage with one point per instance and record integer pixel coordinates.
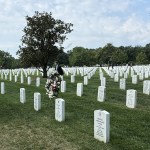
(80, 56)
(141, 58)
(119, 57)
(42, 40)
(7, 61)
(105, 54)
(63, 59)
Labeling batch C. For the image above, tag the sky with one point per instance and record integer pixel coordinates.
(95, 22)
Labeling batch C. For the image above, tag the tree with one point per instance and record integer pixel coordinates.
(105, 54)
(75, 56)
(63, 59)
(119, 56)
(6, 60)
(141, 58)
(42, 41)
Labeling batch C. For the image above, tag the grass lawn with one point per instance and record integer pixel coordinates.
(23, 128)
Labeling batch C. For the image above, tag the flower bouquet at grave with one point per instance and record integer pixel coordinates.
(53, 85)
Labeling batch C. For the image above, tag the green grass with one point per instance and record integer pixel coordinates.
(21, 127)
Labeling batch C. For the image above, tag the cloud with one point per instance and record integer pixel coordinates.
(96, 22)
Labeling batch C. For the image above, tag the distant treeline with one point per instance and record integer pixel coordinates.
(80, 56)
(109, 54)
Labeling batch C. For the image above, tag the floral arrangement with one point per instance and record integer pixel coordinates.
(53, 84)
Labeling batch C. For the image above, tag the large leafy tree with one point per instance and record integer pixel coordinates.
(119, 56)
(105, 54)
(42, 41)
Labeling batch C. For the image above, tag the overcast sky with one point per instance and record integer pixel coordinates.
(96, 22)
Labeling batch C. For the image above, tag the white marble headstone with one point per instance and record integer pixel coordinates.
(146, 87)
(85, 80)
(72, 79)
(101, 75)
(2, 75)
(103, 82)
(122, 84)
(10, 76)
(15, 78)
(22, 78)
(37, 101)
(63, 86)
(146, 74)
(134, 79)
(101, 94)
(2, 88)
(59, 109)
(22, 95)
(79, 89)
(5, 76)
(131, 98)
(38, 81)
(29, 80)
(102, 125)
(116, 78)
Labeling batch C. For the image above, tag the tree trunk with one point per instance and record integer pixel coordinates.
(44, 72)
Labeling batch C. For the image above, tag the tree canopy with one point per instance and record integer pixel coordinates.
(42, 41)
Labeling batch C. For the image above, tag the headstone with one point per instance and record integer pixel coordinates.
(141, 76)
(79, 89)
(146, 87)
(131, 98)
(5, 76)
(102, 125)
(37, 81)
(125, 75)
(72, 79)
(10, 76)
(116, 78)
(29, 80)
(22, 95)
(120, 73)
(103, 82)
(2, 88)
(85, 80)
(63, 86)
(2, 76)
(101, 94)
(146, 74)
(111, 74)
(37, 101)
(59, 109)
(123, 84)
(134, 79)
(89, 76)
(15, 78)
(101, 75)
(22, 78)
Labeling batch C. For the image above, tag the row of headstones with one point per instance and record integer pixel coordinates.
(21, 79)
(122, 72)
(79, 70)
(79, 90)
(122, 85)
(101, 131)
(134, 69)
(131, 96)
(101, 117)
(28, 71)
